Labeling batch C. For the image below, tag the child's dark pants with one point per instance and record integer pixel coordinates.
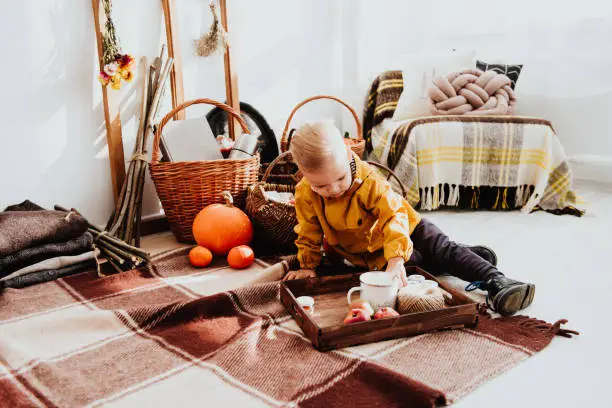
(434, 252)
(437, 254)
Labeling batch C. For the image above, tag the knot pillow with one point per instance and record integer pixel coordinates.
(471, 91)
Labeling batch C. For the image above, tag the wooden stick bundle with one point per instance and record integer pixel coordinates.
(120, 255)
(123, 227)
(125, 221)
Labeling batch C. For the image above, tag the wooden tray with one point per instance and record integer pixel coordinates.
(327, 332)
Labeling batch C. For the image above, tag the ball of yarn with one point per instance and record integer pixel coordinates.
(471, 92)
(410, 302)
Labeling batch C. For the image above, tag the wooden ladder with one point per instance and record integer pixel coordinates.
(111, 103)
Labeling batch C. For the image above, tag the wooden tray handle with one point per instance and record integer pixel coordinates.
(156, 155)
(391, 174)
(304, 102)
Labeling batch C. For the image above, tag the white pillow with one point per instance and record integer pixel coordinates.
(418, 73)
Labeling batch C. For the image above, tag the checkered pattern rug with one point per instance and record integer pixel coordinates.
(150, 338)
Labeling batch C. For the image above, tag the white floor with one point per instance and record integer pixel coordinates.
(568, 259)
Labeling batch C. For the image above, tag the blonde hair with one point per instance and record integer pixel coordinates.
(315, 143)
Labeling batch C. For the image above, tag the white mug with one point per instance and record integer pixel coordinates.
(379, 289)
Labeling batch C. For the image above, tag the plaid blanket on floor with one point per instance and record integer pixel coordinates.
(469, 162)
(149, 338)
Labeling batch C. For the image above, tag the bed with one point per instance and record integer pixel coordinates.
(468, 162)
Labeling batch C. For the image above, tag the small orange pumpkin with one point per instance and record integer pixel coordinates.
(221, 227)
(200, 257)
(240, 257)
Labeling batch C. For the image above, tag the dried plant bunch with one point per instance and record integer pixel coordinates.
(215, 39)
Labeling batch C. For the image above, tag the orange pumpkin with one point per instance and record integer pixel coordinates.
(240, 257)
(200, 257)
(221, 227)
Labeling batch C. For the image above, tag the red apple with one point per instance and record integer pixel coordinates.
(360, 304)
(356, 315)
(385, 312)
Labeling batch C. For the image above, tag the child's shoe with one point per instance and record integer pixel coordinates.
(504, 295)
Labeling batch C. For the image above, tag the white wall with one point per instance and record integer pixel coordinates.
(564, 46)
(52, 135)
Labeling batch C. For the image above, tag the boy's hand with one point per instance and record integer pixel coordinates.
(301, 274)
(397, 268)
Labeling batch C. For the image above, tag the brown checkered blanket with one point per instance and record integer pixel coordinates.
(149, 338)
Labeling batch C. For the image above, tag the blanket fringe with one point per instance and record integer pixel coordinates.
(435, 197)
(454, 200)
(475, 197)
(485, 197)
(542, 326)
(569, 210)
(427, 199)
(496, 204)
(557, 330)
(532, 202)
(505, 205)
(522, 194)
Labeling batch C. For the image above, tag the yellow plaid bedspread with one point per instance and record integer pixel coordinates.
(491, 162)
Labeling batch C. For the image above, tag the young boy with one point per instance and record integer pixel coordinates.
(362, 219)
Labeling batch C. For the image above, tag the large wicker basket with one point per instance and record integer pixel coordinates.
(357, 144)
(273, 221)
(185, 188)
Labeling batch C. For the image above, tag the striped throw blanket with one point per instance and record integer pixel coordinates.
(381, 102)
(469, 162)
(149, 338)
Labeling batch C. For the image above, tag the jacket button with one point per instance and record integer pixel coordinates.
(359, 221)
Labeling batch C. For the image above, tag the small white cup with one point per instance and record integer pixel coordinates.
(379, 289)
(306, 303)
(416, 278)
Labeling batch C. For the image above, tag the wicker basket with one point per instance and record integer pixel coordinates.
(283, 172)
(357, 145)
(185, 188)
(273, 221)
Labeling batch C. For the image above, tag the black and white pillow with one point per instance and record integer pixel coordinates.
(511, 71)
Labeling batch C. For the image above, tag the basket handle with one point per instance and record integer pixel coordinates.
(313, 98)
(156, 156)
(279, 158)
(391, 174)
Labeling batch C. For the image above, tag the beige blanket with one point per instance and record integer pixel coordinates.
(471, 91)
(57, 262)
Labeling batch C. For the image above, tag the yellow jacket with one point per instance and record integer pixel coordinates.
(367, 225)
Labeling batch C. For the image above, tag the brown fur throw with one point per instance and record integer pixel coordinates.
(20, 229)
